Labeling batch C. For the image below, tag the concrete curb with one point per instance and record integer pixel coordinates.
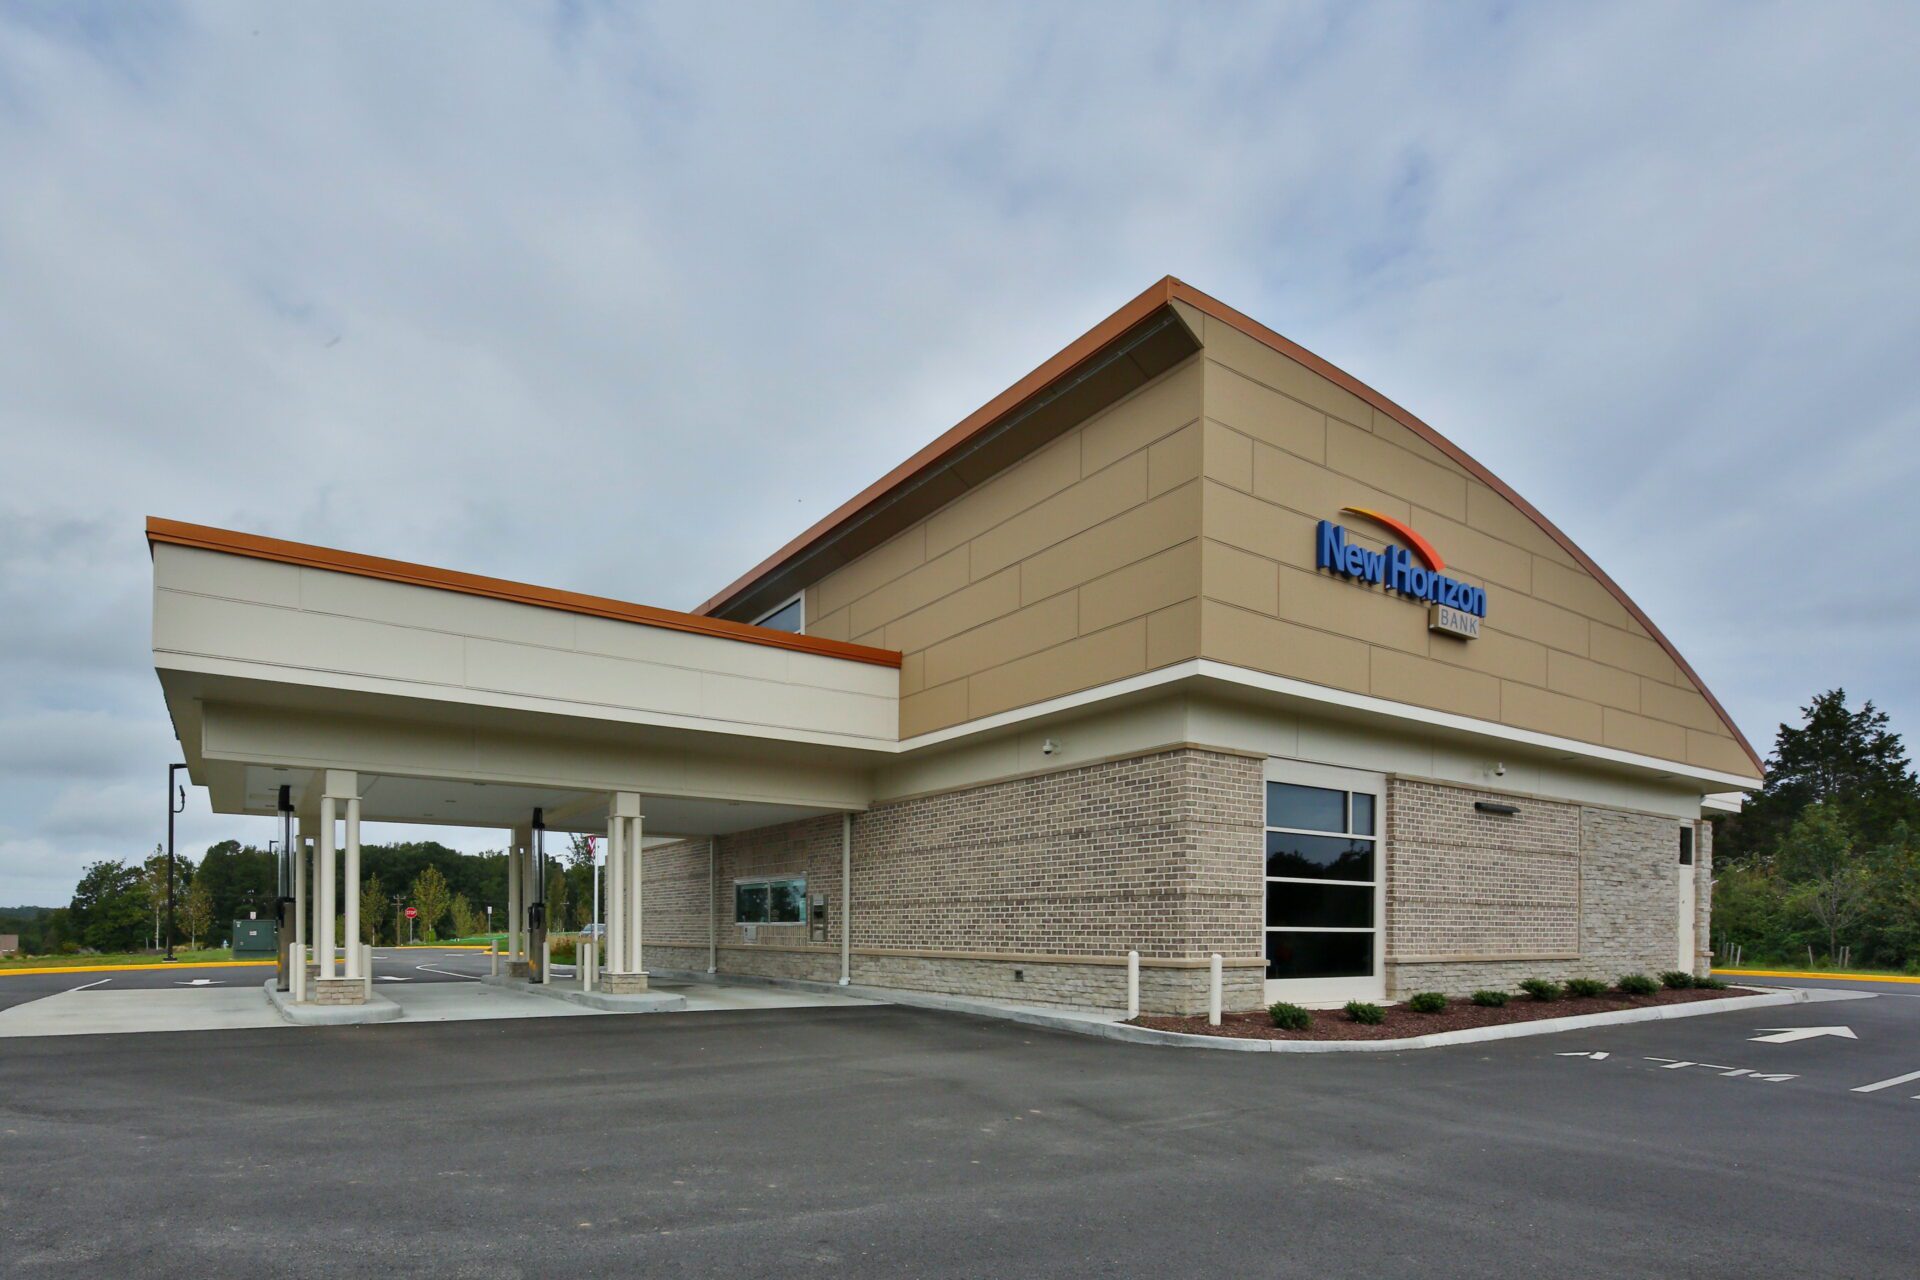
(1104, 1025)
(377, 1009)
(652, 1002)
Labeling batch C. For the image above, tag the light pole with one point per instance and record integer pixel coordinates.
(398, 899)
(172, 809)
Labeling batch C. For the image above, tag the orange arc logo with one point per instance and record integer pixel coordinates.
(1406, 535)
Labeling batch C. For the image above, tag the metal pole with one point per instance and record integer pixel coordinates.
(172, 809)
(846, 898)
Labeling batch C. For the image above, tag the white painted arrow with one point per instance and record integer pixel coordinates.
(1787, 1035)
(199, 982)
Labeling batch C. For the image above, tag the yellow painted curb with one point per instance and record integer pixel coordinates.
(136, 968)
(1809, 973)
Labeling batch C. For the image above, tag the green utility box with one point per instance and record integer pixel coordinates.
(255, 940)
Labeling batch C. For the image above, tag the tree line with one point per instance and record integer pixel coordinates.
(120, 905)
(1823, 863)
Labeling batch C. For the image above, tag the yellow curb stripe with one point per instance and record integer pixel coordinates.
(1808, 973)
(136, 968)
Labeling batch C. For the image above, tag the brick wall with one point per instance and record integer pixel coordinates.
(1158, 853)
(1702, 897)
(1557, 890)
(1053, 878)
(1462, 883)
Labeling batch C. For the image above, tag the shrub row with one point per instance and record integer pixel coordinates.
(1292, 1017)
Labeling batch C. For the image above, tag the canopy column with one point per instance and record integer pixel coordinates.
(626, 971)
(339, 801)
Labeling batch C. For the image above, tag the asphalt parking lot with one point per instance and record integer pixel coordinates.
(883, 1141)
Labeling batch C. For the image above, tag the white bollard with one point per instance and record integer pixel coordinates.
(546, 962)
(366, 968)
(1133, 984)
(1213, 990)
(493, 957)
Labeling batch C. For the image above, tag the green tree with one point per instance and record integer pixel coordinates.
(1845, 758)
(373, 908)
(109, 908)
(430, 898)
(1829, 880)
(557, 897)
(240, 879)
(196, 912)
(466, 920)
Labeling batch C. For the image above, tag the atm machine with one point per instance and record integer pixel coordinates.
(537, 901)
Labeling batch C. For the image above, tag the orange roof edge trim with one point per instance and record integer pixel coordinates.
(1163, 292)
(257, 547)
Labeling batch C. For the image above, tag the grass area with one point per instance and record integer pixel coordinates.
(181, 956)
(1767, 966)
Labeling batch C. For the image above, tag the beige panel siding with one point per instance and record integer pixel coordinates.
(1558, 653)
(1078, 565)
(1104, 656)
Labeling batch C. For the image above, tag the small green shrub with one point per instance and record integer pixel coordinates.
(565, 952)
(1289, 1017)
(1490, 999)
(1676, 980)
(1586, 988)
(1371, 1015)
(1638, 984)
(1541, 988)
(1427, 1002)
(1710, 984)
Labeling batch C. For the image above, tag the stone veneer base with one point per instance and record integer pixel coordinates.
(376, 1008)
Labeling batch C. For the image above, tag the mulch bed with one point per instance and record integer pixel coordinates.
(1460, 1014)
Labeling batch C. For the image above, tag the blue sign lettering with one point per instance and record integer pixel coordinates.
(1396, 570)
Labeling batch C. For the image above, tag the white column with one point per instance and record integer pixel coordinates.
(713, 908)
(635, 914)
(356, 952)
(513, 899)
(846, 899)
(616, 890)
(323, 888)
(300, 892)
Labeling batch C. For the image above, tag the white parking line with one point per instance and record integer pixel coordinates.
(1877, 1085)
(103, 982)
(427, 968)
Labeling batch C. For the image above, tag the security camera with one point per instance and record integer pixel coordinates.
(1499, 770)
(1048, 747)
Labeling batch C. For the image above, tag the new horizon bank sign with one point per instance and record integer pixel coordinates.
(1452, 606)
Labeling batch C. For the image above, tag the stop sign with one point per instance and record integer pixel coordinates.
(412, 912)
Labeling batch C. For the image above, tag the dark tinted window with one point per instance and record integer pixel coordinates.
(788, 902)
(785, 618)
(1686, 846)
(1326, 906)
(1319, 955)
(1312, 808)
(750, 903)
(1362, 814)
(1319, 857)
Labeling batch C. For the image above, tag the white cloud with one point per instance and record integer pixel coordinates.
(620, 298)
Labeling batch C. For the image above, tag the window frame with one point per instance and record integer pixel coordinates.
(799, 598)
(768, 882)
(1353, 782)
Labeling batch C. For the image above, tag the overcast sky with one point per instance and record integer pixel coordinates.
(620, 299)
